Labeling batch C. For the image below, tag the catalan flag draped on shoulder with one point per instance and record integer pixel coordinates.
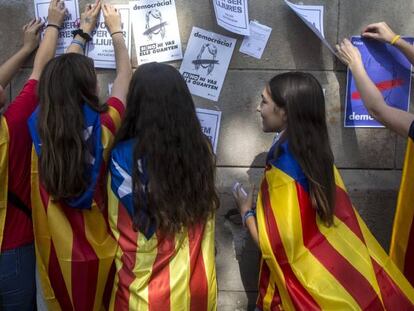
(154, 271)
(402, 241)
(308, 266)
(4, 142)
(74, 246)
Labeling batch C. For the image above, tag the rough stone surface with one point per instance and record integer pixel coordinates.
(370, 159)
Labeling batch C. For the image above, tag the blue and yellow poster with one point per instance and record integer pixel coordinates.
(389, 69)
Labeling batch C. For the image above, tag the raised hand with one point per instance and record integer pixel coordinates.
(379, 31)
(31, 34)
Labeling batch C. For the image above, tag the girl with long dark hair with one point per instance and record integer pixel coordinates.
(162, 199)
(317, 253)
(72, 135)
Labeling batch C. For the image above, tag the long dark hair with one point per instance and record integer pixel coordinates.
(301, 95)
(67, 82)
(180, 163)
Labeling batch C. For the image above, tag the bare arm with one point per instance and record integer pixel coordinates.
(30, 43)
(123, 64)
(397, 120)
(47, 48)
(87, 25)
(382, 32)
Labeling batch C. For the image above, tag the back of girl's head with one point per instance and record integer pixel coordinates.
(66, 83)
(161, 116)
(301, 95)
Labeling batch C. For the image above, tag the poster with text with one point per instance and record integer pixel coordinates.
(101, 49)
(233, 15)
(156, 32)
(70, 23)
(206, 61)
(389, 69)
(210, 124)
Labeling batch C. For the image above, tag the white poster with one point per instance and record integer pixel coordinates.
(210, 124)
(312, 16)
(70, 23)
(156, 33)
(255, 44)
(233, 15)
(205, 62)
(101, 49)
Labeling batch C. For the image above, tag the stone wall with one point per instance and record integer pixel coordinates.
(370, 160)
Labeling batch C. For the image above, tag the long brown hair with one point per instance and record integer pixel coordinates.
(161, 117)
(67, 82)
(301, 95)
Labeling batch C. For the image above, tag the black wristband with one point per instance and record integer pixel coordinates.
(84, 35)
(114, 33)
(53, 25)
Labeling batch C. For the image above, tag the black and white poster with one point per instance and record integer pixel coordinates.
(156, 32)
(206, 61)
(210, 124)
(233, 15)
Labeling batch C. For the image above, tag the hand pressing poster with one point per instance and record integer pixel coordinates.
(101, 49)
(70, 23)
(389, 69)
(233, 15)
(205, 62)
(210, 124)
(156, 33)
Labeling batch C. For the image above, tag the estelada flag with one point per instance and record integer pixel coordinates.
(156, 271)
(309, 266)
(74, 245)
(402, 241)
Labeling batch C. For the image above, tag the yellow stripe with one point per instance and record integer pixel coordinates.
(115, 116)
(4, 168)
(404, 214)
(207, 247)
(314, 277)
(267, 299)
(379, 255)
(107, 140)
(180, 273)
(276, 273)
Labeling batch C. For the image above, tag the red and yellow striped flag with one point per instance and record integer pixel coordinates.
(313, 267)
(162, 273)
(402, 241)
(74, 247)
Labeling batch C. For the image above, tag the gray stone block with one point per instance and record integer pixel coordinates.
(236, 301)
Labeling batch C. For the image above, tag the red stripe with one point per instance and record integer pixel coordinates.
(198, 277)
(409, 257)
(276, 300)
(107, 121)
(57, 282)
(346, 274)
(159, 283)
(128, 243)
(85, 262)
(118, 105)
(264, 279)
(301, 299)
(392, 296)
(382, 86)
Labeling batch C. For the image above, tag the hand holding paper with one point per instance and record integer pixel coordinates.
(379, 31)
(349, 55)
(89, 17)
(56, 13)
(112, 18)
(31, 34)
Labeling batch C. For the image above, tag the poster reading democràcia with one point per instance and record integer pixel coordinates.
(156, 33)
(389, 69)
(205, 62)
(233, 15)
(70, 23)
(101, 49)
(210, 124)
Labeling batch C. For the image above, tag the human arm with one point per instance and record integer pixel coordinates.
(397, 120)
(123, 64)
(245, 204)
(47, 48)
(87, 25)
(382, 32)
(31, 38)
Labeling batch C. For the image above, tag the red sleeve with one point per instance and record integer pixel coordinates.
(112, 118)
(23, 105)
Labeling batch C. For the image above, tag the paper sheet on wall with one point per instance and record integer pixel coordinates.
(389, 69)
(255, 43)
(210, 124)
(233, 15)
(156, 32)
(312, 16)
(205, 62)
(70, 23)
(101, 49)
